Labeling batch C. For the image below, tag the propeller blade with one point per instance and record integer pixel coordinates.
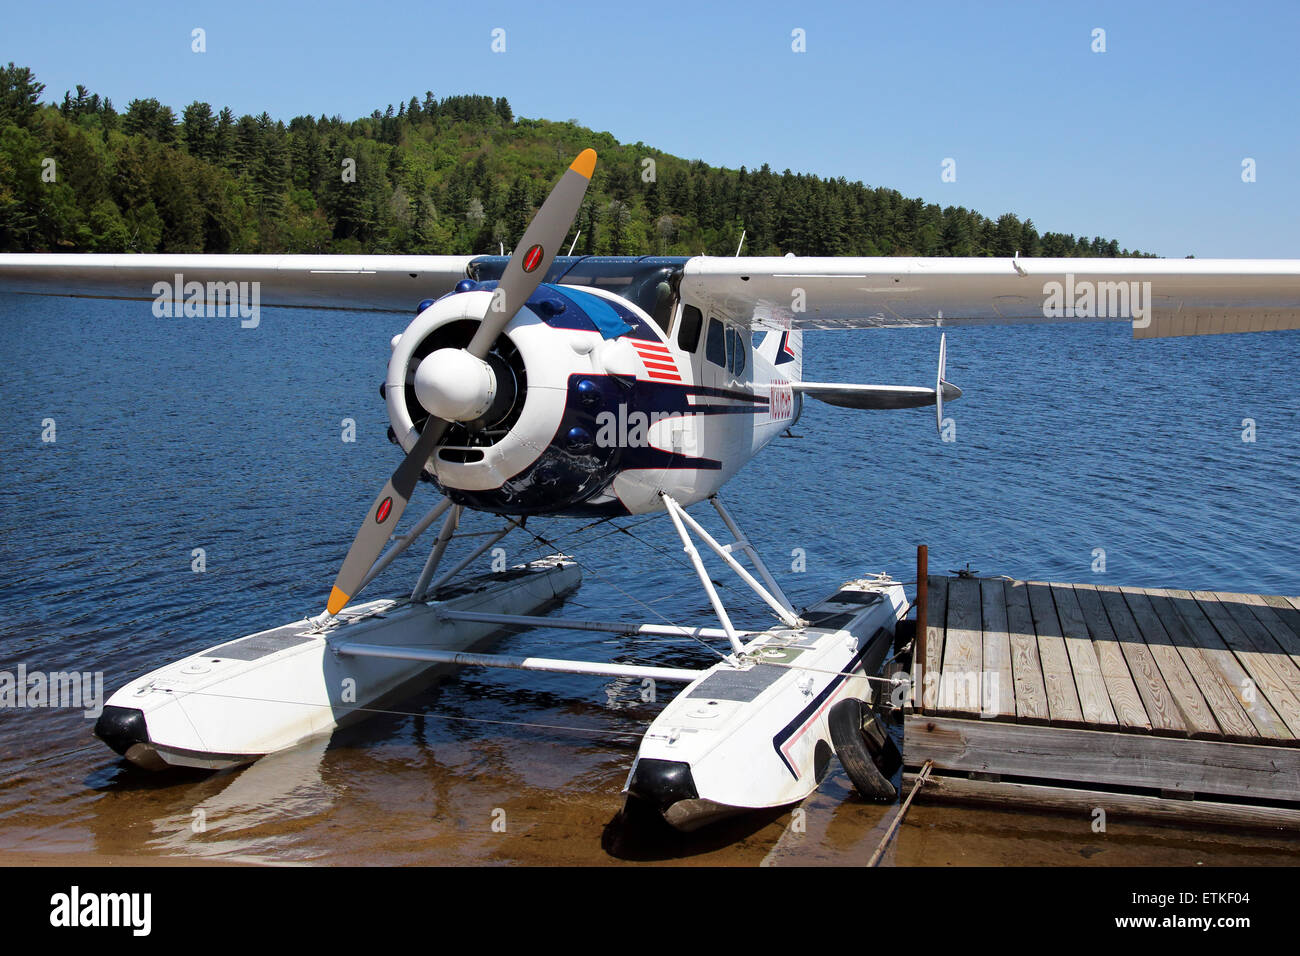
(532, 257)
(383, 517)
(528, 266)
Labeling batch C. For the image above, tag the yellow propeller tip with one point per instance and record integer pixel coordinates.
(585, 164)
(337, 601)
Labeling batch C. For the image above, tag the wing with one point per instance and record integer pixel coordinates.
(1161, 297)
(378, 283)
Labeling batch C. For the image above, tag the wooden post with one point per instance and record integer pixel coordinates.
(918, 645)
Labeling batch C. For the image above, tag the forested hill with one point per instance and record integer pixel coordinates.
(454, 175)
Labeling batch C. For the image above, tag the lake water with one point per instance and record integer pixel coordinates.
(178, 434)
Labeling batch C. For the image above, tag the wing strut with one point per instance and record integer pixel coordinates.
(780, 606)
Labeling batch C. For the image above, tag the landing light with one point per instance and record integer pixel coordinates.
(579, 439)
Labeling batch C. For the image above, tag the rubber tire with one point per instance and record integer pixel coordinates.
(845, 722)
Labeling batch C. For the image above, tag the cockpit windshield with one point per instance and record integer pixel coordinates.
(646, 281)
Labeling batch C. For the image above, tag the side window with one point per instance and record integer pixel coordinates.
(688, 329)
(731, 349)
(741, 348)
(661, 311)
(715, 347)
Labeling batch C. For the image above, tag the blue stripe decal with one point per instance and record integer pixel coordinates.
(608, 322)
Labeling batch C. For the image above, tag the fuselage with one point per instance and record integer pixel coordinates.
(623, 393)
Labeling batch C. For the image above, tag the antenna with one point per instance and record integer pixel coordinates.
(742, 243)
(574, 242)
(502, 245)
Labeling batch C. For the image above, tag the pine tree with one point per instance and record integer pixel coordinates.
(150, 118)
(19, 93)
(199, 130)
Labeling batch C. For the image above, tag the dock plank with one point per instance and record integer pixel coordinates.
(963, 655)
(1273, 620)
(1058, 678)
(1286, 609)
(997, 691)
(1273, 672)
(1207, 706)
(1094, 699)
(1026, 667)
(1182, 606)
(1158, 698)
(961, 789)
(1124, 697)
(936, 621)
(1191, 767)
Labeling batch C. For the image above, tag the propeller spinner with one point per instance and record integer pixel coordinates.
(452, 384)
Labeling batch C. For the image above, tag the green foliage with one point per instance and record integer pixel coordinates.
(19, 93)
(458, 175)
(151, 119)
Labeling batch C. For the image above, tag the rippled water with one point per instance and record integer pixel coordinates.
(174, 435)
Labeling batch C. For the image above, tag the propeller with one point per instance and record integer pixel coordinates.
(458, 384)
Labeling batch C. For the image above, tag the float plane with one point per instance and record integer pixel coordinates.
(551, 385)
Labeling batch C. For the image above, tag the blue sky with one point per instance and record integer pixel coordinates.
(1143, 143)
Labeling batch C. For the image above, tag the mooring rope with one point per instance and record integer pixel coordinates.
(902, 812)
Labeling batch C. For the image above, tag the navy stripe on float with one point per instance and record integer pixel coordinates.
(788, 730)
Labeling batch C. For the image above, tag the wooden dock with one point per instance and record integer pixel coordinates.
(1154, 702)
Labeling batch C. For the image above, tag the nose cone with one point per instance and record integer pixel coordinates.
(452, 384)
(662, 783)
(124, 729)
(121, 728)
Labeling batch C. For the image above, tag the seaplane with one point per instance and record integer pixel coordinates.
(536, 385)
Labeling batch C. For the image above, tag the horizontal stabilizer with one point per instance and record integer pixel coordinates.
(875, 396)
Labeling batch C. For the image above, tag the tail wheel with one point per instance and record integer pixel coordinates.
(869, 755)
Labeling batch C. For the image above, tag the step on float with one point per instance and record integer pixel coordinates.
(265, 692)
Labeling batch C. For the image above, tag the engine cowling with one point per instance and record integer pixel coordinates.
(530, 441)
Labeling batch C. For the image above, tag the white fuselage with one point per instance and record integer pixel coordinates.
(616, 411)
